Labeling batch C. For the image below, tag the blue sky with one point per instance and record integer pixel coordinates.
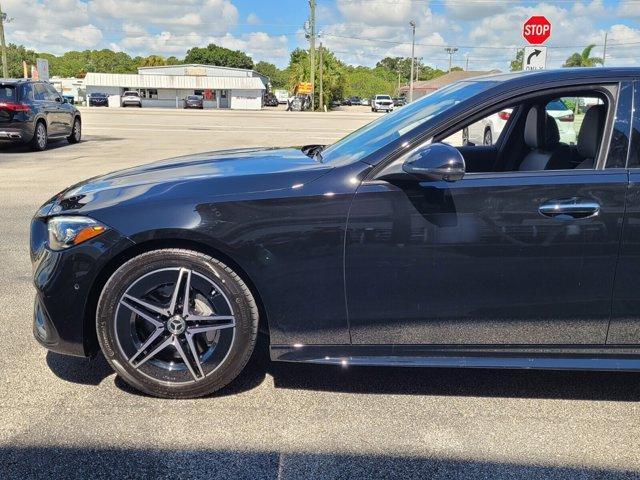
(361, 32)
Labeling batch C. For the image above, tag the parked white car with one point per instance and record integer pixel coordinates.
(382, 102)
(364, 101)
(488, 130)
(131, 99)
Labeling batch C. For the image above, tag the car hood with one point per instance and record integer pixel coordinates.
(212, 174)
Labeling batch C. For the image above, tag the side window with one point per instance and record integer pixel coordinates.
(39, 92)
(484, 132)
(568, 113)
(51, 93)
(26, 93)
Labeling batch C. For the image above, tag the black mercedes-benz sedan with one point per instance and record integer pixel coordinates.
(402, 244)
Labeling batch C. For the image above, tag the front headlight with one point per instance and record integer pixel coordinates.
(67, 231)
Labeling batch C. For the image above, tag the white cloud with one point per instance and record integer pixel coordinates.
(473, 10)
(253, 19)
(86, 36)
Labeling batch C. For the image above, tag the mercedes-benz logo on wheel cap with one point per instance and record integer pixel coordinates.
(176, 325)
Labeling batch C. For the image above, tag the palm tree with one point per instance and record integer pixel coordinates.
(583, 59)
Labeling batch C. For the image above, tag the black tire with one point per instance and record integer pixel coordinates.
(465, 136)
(76, 131)
(116, 324)
(40, 138)
(487, 140)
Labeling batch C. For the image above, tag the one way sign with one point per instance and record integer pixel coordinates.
(535, 58)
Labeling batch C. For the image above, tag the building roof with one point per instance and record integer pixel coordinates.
(446, 79)
(173, 81)
(194, 65)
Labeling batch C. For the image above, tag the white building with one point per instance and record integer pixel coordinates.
(167, 86)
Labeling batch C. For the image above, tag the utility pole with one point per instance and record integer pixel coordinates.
(321, 95)
(312, 50)
(5, 67)
(413, 48)
(604, 54)
(466, 68)
(398, 94)
(450, 51)
(418, 63)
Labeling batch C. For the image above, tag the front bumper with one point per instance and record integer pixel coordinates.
(65, 282)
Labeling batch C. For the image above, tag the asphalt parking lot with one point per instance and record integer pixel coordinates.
(73, 418)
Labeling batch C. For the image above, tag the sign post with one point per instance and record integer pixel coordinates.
(536, 30)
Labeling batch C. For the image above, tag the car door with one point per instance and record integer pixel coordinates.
(625, 311)
(64, 111)
(47, 107)
(486, 260)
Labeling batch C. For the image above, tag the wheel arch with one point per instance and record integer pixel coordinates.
(89, 325)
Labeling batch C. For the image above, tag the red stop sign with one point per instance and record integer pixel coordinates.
(536, 30)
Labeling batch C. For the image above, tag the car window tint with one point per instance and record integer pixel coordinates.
(484, 132)
(568, 113)
(51, 93)
(39, 91)
(26, 92)
(7, 93)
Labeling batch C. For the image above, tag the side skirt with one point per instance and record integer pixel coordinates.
(566, 357)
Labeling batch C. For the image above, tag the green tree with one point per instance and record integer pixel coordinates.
(367, 82)
(583, 59)
(516, 63)
(172, 60)
(333, 76)
(77, 64)
(153, 61)
(16, 54)
(278, 77)
(403, 65)
(216, 55)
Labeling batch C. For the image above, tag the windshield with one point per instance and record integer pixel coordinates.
(131, 94)
(384, 130)
(383, 97)
(98, 95)
(193, 97)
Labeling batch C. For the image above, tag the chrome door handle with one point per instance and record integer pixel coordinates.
(569, 208)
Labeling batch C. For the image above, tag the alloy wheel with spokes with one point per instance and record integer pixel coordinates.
(76, 132)
(40, 137)
(180, 325)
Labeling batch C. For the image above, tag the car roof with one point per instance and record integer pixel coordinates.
(542, 76)
(14, 81)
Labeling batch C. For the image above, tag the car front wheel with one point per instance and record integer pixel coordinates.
(76, 132)
(176, 323)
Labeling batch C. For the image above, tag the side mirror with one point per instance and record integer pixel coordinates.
(59, 100)
(437, 161)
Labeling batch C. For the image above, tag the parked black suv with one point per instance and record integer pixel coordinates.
(98, 99)
(34, 112)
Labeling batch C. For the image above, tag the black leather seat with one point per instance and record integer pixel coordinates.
(543, 138)
(590, 135)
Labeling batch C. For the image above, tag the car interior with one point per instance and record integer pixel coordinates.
(531, 139)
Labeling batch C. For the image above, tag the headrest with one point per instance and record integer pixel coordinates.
(551, 133)
(590, 134)
(532, 136)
